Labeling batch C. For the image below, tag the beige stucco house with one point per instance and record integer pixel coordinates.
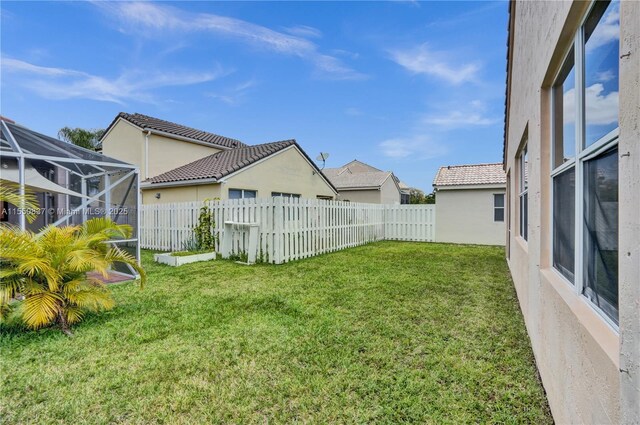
(360, 182)
(470, 204)
(572, 159)
(181, 164)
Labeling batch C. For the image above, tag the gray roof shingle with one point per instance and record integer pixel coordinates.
(473, 174)
(223, 163)
(147, 122)
(343, 178)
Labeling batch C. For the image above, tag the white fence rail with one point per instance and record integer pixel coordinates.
(289, 229)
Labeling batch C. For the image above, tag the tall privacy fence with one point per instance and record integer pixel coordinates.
(287, 228)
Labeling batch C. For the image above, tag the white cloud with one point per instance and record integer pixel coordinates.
(354, 112)
(607, 30)
(423, 60)
(466, 116)
(460, 119)
(414, 147)
(605, 76)
(235, 95)
(61, 83)
(304, 31)
(144, 16)
(10, 64)
(601, 109)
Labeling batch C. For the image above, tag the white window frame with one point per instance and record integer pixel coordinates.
(242, 191)
(503, 207)
(582, 155)
(284, 195)
(523, 189)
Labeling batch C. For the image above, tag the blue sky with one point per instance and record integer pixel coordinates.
(404, 86)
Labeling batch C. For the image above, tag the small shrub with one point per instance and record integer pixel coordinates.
(205, 238)
(43, 278)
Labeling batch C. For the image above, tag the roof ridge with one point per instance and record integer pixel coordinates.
(472, 165)
(361, 162)
(176, 129)
(267, 144)
(229, 161)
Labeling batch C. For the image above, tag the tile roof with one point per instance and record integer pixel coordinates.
(223, 163)
(473, 174)
(151, 123)
(343, 178)
(359, 166)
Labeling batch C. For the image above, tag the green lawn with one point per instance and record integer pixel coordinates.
(389, 332)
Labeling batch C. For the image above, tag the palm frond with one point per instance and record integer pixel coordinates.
(10, 286)
(10, 192)
(116, 255)
(74, 314)
(86, 260)
(40, 309)
(39, 267)
(16, 244)
(92, 298)
(108, 227)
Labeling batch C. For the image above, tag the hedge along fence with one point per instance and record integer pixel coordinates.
(289, 228)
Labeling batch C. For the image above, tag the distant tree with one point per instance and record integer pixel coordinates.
(88, 139)
(416, 197)
(430, 198)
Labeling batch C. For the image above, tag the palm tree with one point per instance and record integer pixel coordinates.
(43, 277)
(88, 139)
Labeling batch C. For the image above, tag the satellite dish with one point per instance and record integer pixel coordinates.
(322, 157)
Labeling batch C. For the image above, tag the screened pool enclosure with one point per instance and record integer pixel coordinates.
(71, 184)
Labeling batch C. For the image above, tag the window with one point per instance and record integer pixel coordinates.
(523, 187)
(585, 161)
(498, 207)
(564, 219)
(508, 206)
(242, 194)
(284, 195)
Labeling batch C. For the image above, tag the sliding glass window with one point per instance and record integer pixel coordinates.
(585, 161)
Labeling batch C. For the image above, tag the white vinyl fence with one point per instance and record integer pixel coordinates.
(288, 229)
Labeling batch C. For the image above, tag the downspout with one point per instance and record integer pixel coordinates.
(146, 154)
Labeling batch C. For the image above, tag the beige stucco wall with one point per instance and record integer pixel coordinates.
(466, 216)
(166, 154)
(181, 194)
(369, 196)
(287, 172)
(126, 142)
(578, 354)
(629, 213)
(387, 194)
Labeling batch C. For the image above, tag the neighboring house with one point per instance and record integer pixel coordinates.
(406, 191)
(157, 146)
(572, 158)
(260, 171)
(183, 164)
(360, 182)
(470, 204)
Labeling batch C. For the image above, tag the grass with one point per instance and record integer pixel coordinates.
(387, 333)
